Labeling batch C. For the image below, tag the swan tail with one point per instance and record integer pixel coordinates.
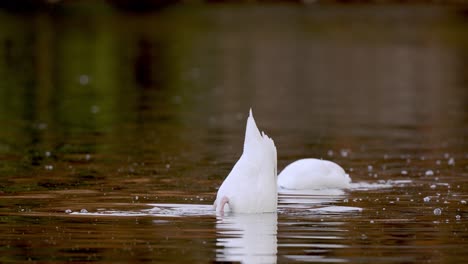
(258, 146)
(252, 134)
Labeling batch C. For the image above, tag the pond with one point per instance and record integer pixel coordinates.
(118, 127)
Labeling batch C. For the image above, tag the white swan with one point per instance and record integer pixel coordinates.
(251, 187)
(313, 174)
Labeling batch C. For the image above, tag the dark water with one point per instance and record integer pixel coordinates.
(137, 118)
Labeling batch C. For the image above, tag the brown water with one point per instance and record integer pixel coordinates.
(137, 118)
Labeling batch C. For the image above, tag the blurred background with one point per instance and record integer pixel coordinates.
(162, 82)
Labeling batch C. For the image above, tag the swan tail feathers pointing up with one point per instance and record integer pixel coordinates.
(252, 134)
(251, 186)
(258, 144)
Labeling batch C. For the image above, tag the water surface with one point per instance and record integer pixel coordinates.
(137, 119)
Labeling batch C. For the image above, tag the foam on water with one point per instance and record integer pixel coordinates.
(110, 213)
(336, 209)
(160, 210)
(181, 209)
(361, 186)
(364, 186)
(288, 202)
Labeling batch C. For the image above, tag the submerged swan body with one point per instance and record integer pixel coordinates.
(313, 174)
(251, 187)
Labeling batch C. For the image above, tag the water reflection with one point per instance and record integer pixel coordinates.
(316, 234)
(300, 199)
(247, 238)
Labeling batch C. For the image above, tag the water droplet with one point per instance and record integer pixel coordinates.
(369, 168)
(438, 162)
(371, 221)
(168, 166)
(49, 167)
(451, 162)
(42, 126)
(84, 79)
(433, 186)
(463, 202)
(345, 200)
(429, 173)
(136, 197)
(437, 211)
(330, 153)
(83, 211)
(95, 109)
(177, 99)
(427, 199)
(344, 153)
(87, 156)
(68, 211)
(458, 217)
(47, 153)
(404, 172)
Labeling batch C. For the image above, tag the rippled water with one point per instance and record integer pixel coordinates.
(117, 129)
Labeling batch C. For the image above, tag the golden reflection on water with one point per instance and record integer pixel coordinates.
(105, 110)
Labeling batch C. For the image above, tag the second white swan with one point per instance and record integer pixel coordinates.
(313, 174)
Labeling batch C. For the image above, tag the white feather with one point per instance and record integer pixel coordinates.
(250, 187)
(313, 174)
